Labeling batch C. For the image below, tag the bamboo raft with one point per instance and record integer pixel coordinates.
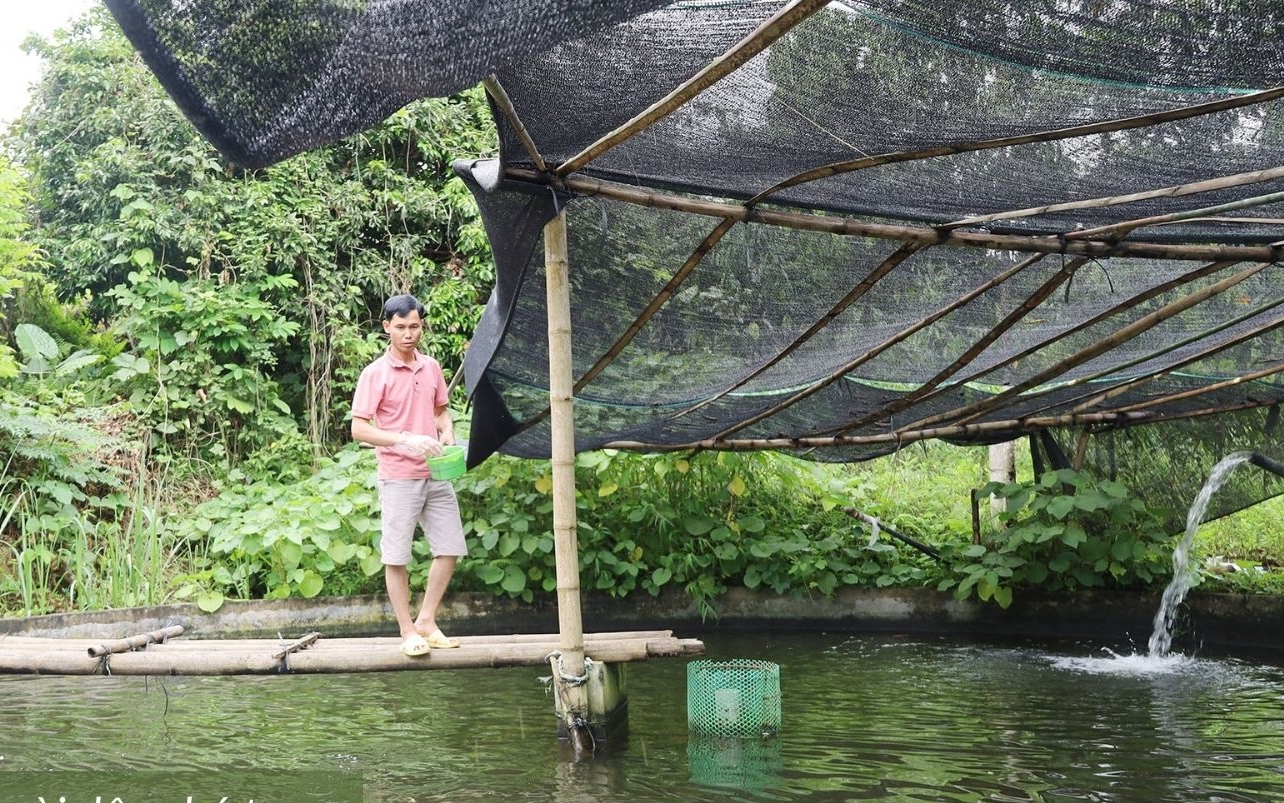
(164, 652)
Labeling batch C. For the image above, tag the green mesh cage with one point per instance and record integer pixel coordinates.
(739, 697)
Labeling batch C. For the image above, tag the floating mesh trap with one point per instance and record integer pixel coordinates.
(739, 697)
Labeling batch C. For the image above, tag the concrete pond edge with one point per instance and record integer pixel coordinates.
(1227, 621)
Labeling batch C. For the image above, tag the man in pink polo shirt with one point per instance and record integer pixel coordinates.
(400, 408)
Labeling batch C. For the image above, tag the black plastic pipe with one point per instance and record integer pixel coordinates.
(919, 545)
(1262, 461)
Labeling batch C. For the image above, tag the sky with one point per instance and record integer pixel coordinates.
(18, 19)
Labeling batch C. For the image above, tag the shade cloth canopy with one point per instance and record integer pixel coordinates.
(831, 228)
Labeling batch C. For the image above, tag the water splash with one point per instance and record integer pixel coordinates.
(1113, 663)
(1183, 576)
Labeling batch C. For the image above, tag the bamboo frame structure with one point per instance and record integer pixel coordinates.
(1219, 256)
(971, 411)
(912, 236)
(1081, 246)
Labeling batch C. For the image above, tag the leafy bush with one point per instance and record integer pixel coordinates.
(702, 524)
(201, 365)
(645, 523)
(1066, 530)
(273, 540)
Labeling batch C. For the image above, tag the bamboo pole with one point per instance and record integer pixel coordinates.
(1125, 226)
(134, 642)
(862, 287)
(759, 40)
(505, 104)
(1097, 396)
(1106, 126)
(561, 404)
(1123, 306)
(1174, 191)
(927, 235)
(970, 412)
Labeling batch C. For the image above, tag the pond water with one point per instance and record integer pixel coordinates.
(866, 717)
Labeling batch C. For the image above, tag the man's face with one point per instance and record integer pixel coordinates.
(404, 331)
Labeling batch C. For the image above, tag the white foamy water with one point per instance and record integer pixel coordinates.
(1112, 663)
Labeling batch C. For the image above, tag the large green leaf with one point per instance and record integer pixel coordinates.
(35, 342)
(514, 579)
(82, 358)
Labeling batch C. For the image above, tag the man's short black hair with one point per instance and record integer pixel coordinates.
(402, 306)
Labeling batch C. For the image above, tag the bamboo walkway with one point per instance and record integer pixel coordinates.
(165, 652)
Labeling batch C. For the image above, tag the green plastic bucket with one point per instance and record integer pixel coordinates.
(740, 697)
(449, 465)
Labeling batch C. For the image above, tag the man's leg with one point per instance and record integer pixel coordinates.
(441, 524)
(397, 581)
(400, 502)
(439, 574)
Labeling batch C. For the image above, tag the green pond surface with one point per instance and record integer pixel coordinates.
(865, 717)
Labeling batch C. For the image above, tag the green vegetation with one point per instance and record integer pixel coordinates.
(1064, 531)
(178, 341)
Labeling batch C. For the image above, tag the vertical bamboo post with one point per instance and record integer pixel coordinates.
(1002, 469)
(565, 540)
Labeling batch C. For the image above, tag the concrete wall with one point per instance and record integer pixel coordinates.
(1208, 620)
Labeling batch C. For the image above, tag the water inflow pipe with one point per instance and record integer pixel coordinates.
(1264, 462)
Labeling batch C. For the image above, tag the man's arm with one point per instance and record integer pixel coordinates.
(365, 431)
(445, 426)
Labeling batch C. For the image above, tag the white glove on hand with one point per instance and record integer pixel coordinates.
(420, 445)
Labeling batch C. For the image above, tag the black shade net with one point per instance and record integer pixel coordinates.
(913, 185)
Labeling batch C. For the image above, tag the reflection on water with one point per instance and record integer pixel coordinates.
(865, 718)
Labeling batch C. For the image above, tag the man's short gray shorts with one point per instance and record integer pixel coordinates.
(428, 503)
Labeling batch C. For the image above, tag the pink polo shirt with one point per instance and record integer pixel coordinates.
(401, 397)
